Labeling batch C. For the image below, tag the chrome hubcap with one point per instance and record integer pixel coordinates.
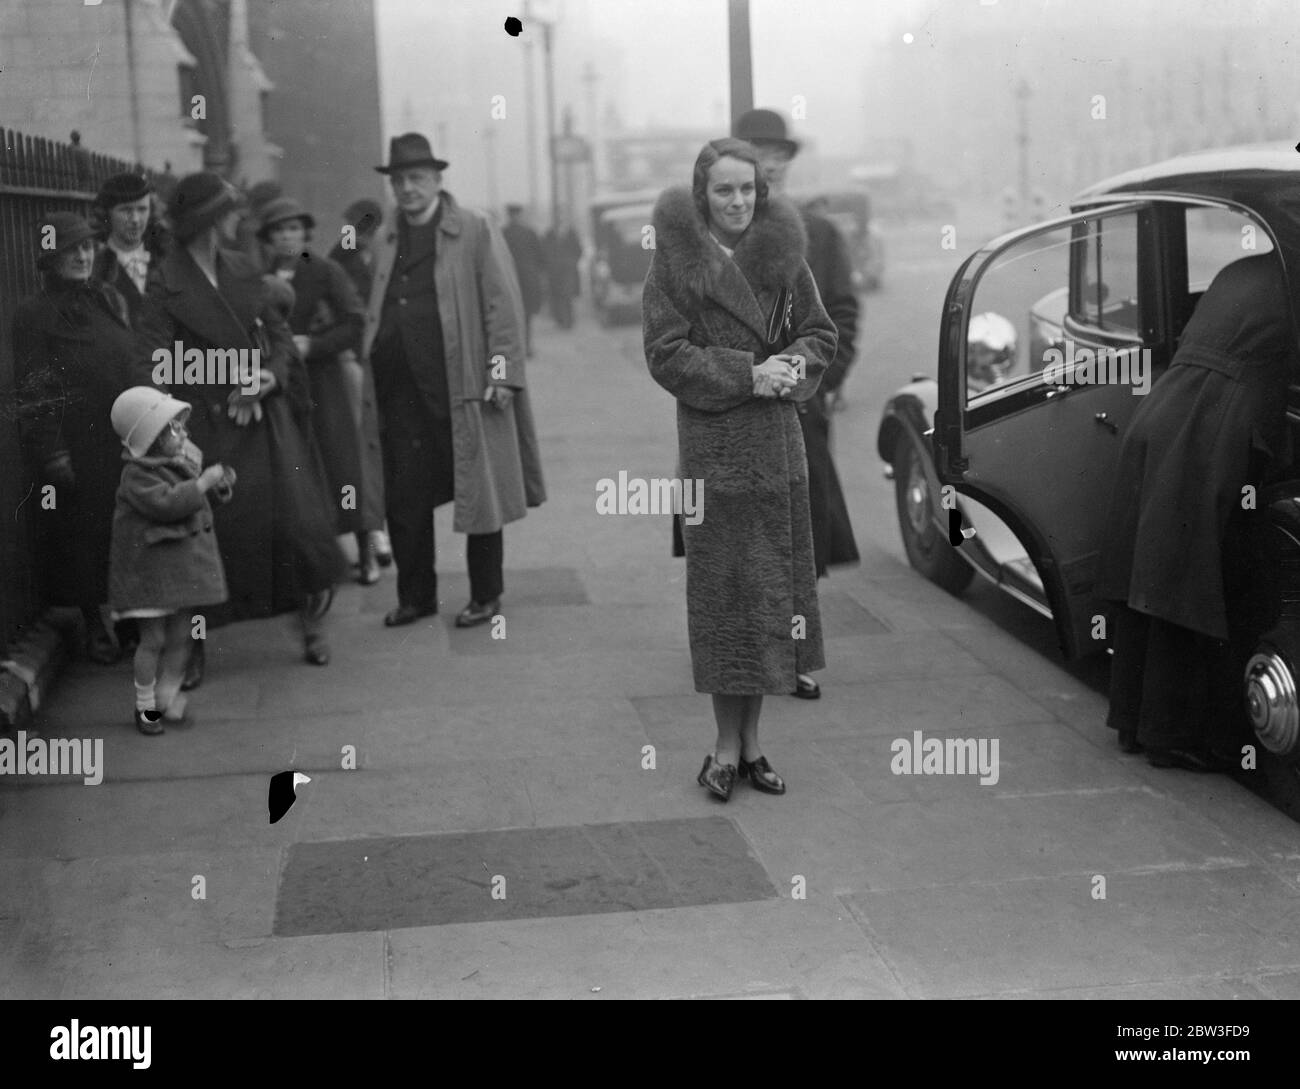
(1271, 702)
(918, 496)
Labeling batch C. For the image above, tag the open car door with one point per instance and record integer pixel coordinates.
(1033, 431)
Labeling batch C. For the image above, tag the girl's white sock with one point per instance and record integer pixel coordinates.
(144, 697)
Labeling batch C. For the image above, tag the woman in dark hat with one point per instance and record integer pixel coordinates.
(276, 535)
(326, 319)
(126, 216)
(74, 352)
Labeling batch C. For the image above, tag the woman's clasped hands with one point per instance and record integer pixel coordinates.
(775, 376)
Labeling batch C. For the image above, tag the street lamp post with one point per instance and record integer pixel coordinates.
(550, 122)
(742, 62)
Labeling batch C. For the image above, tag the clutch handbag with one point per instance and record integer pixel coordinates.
(780, 325)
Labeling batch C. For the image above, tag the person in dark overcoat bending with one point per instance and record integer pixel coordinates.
(1212, 424)
(724, 252)
(326, 320)
(444, 338)
(277, 533)
(74, 352)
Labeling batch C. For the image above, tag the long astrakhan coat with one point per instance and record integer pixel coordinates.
(498, 465)
(751, 587)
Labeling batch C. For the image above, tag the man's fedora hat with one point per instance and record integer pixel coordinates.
(409, 150)
(281, 210)
(764, 127)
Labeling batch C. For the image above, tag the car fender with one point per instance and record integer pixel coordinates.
(911, 412)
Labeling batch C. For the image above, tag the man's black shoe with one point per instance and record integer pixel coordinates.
(474, 613)
(407, 614)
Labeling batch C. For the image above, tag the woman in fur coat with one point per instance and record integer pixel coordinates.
(726, 256)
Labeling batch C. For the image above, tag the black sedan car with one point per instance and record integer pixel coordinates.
(1050, 336)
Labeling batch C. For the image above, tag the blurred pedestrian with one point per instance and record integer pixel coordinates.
(563, 252)
(735, 330)
(832, 268)
(444, 335)
(165, 561)
(1178, 534)
(326, 319)
(530, 266)
(74, 352)
(277, 534)
(357, 259)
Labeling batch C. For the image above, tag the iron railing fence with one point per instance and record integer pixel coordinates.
(37, 176)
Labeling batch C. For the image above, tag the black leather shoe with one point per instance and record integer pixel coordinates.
(1188, 760)
(717, 778)
(316, 651)
(761, 774)
(407, 614)
(474, 613)
(149, 722)
(194, 667)
(806, 688)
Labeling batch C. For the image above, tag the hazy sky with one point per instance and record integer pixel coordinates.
(664, 63)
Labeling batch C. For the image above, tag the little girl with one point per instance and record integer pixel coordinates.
(164, 560)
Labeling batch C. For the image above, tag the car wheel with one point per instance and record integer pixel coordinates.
(1271, 694)
(927, 548)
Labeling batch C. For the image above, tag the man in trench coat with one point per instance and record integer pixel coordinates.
(444, 339)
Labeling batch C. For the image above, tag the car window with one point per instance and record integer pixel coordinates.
(1216, 237)
(1036, 298)
(1017, 312)
(1106, 275)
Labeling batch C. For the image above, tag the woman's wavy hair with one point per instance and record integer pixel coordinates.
(729, 147)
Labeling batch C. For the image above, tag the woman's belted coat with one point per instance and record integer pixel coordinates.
(751, 587)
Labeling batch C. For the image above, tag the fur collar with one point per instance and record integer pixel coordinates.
(769, 253)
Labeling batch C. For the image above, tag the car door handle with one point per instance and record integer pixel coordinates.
(1104, 419)
(1057, 392)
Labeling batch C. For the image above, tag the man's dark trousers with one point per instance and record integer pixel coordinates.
(417, 454)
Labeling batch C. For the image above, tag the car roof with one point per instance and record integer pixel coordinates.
(1217, 172)
(1262, 177)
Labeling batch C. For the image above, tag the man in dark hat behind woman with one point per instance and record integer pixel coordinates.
(276, 535)
(832, 269)
(444, 335)
(74, 352)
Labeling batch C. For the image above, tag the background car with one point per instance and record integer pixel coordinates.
(1028, 460)
(621, 259)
